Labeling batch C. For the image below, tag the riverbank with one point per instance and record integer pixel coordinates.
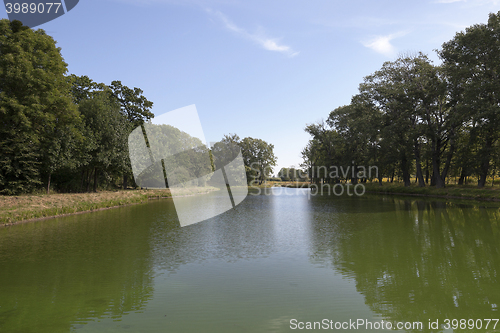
(18, 209)
(451, 191)
(23, 208)
(469, 192)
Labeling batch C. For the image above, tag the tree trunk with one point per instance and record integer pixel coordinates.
(354, 180)
(406, 174)
(427, 172)
(125, 181)
(89, 176)
(435, 166)
(95, 179)
(83, 180)
(436, 163)
(462, 178)
(485, 164)
(48, 183)
(447, 164)
(420, 176)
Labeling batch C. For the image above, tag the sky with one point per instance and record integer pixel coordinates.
(261, 69)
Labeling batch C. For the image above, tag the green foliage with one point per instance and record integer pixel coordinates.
(134, 106)
(258, 156)
(105, 131)
(35, 107)
(472, 66)
(71, 133)
(290, 174)
(259, 159)
(68, 129)
(413, 117)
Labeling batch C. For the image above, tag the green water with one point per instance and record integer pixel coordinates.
(255, 268)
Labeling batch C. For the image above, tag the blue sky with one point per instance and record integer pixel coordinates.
(263, 69)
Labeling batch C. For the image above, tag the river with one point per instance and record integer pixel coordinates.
(278, 261)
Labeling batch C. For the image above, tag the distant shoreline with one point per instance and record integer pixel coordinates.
(461, 192)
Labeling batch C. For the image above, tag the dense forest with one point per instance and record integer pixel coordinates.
(68, 133)
(412, 118)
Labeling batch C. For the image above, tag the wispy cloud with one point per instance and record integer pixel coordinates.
(382, 44)
(270, 44)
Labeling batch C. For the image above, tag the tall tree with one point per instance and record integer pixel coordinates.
(36, 110)
(472, 63)
(106, 130)
(412, 97)
(136, 108)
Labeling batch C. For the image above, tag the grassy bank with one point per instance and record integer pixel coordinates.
(450, 191)
(14, 209)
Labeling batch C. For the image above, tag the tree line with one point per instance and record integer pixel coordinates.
(67, 132)
(412, 117)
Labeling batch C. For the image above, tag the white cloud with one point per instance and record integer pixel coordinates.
(270, 44)
(382, 44)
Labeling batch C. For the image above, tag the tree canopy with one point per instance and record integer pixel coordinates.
(412, 117)
(70, 133)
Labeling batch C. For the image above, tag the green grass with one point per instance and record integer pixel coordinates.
(15, 209)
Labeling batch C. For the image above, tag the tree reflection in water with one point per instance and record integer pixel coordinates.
(431, 260)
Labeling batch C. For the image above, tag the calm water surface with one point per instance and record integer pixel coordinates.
(274, 258)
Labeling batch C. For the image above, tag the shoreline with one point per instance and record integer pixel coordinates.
(434, 196)
(455, 192)
(22, 209)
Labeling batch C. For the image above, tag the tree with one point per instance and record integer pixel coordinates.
(258, 156)
(133, 105)
(323, 150)
(106, 130)
(472, 65)
(36, 110)
(136, 108)
(412, 97)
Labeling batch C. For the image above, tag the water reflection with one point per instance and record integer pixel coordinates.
(414, 260)
(57, 274)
